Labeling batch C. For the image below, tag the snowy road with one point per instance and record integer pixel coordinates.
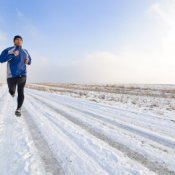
(59, 134)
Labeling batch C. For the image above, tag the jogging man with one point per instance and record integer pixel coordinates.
(16, 58)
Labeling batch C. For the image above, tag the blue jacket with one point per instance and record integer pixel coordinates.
(16, 66)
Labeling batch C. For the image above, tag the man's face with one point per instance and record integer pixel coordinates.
(18, 42)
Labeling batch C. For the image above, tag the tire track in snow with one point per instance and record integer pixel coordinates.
(78, 154)
(120, 135)
(148, 122)
(17, 154)
(60, 124)
(145, 115)
(153, 166)
(161, 140)
(52, 166)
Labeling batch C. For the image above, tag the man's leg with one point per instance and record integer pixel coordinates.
(21, 83)
(11, 85)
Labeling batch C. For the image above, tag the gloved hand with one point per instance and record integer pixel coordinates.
(16, 52)
(27, 61)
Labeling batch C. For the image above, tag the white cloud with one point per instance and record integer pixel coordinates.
(3, 36)
(98, 67)
(3, 39)
(164, 10)
(103, 67)
(147, 59)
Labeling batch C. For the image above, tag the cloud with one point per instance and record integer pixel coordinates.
(164, 15)
(149, 58)
(164, 10)
(3, 36)
(103, 67)
(3, 40)
(98, 67)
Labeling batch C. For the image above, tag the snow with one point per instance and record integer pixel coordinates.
(18, 154)
(154, 99)
(61, 134)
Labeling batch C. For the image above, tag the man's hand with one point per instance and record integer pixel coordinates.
(27, 61)
(16, 52)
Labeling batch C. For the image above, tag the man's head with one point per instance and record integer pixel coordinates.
(18, 40)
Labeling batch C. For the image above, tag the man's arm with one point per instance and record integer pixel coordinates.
(6, 56)
(29, 60)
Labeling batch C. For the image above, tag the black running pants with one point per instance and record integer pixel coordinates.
(20, 83)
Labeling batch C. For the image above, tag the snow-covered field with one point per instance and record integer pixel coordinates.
(61, 134)
(152, 99)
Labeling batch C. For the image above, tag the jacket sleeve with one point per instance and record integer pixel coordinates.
(30, 59)
(6, 56)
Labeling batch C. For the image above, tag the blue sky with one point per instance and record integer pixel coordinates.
(64, 36)
(80, 26)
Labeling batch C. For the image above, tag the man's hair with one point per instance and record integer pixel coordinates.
(17, 36)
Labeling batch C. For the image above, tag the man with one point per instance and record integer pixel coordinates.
(16, 58)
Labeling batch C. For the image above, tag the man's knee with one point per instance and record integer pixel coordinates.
(20, 91)
(11, 92)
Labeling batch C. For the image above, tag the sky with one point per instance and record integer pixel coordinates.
(93, 41)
